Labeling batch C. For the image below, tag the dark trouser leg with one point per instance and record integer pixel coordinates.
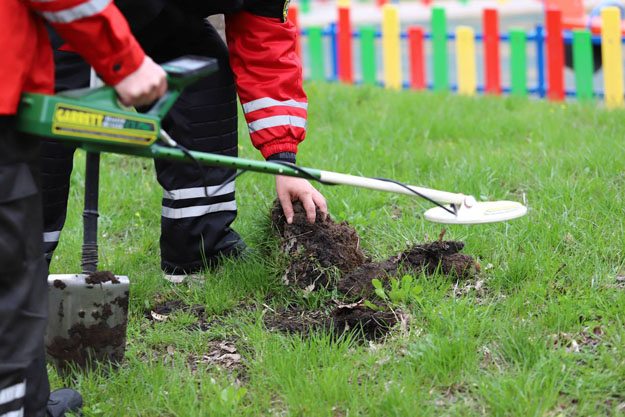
(71, 72)
(23, 284)
(196, 229)
(56, 169)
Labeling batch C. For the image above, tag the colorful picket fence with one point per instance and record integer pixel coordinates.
(306, 5)
(549, 43)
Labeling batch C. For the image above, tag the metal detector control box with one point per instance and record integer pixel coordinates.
(94, 117)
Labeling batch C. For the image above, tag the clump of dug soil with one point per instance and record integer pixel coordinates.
(319, 250)
(101, 277)
(430, 257)
(328, 254)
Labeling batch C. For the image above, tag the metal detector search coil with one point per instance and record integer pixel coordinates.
(478, 213)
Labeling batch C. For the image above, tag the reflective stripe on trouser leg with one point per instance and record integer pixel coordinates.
(196, 229)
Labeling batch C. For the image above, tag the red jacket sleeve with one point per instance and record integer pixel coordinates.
(268, 76)
(96, 30)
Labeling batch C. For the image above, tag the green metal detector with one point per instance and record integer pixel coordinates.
(94, 120)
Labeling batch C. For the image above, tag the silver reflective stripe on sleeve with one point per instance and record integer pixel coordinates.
(197, 211)
(274, 121)
(13, 393)
(198, 192)
(87, 9)
(16, 413)
(49, 237)
(263, 103)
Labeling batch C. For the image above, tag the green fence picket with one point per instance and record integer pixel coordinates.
(367, 51)
(518, 60)
(305, 6)
(583, 63)
(439, 49)
(315, 47)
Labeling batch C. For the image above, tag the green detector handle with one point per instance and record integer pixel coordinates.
(182, 72)
(95, 116)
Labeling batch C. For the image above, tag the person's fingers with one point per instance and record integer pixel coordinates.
(144, 86)
(287, 206)
(320, 202)
(309, 206)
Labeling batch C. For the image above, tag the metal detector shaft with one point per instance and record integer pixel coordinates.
(163, 152)
(89, 261)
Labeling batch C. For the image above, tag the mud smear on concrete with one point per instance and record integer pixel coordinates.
(328, 254)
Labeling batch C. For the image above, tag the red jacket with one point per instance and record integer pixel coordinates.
(94, 28)
(268, 76)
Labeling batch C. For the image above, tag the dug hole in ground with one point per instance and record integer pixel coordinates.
(327, 254)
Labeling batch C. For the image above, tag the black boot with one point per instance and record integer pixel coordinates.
(62, 401)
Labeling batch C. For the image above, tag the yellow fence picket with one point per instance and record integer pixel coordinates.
(612, 55)
(465, 52)
(391, 47)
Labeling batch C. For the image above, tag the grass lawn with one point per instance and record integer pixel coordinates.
(543, 336)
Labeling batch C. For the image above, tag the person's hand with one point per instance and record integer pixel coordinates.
(290, 189)
(144, 86)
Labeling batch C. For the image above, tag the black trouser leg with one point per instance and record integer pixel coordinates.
(23, 284)
(70, 72)
(56, 162)
(195, 230)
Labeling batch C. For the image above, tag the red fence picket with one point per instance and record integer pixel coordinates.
(492, 82)
(417, 61)
(555, 56)
(345, 46)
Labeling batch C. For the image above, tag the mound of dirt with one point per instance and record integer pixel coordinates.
(326, 248)
(319, 250)
(428, 257)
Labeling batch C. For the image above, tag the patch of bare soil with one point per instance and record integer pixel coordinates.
(328, 254)
(317, 249)
(342, 318)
